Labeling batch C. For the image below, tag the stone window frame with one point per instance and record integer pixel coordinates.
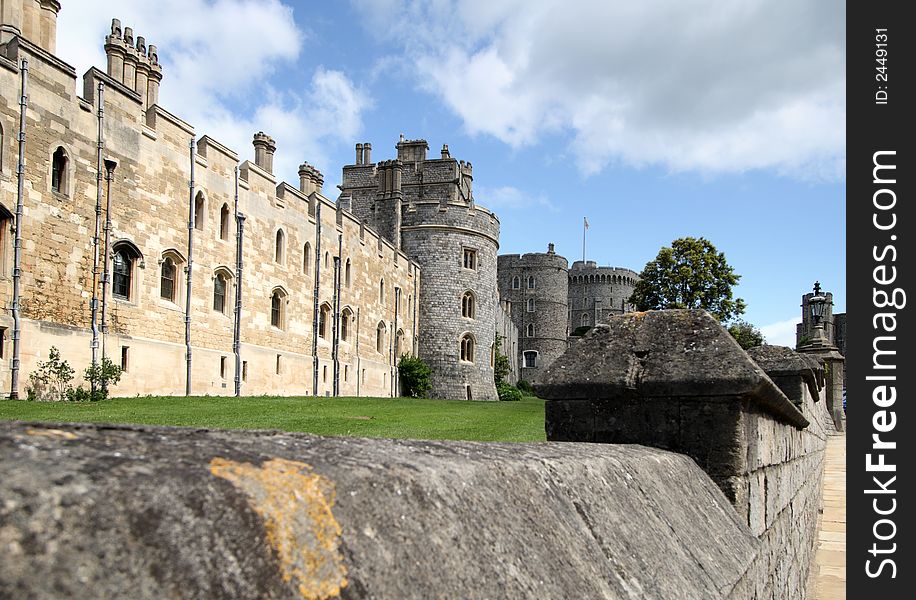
(280, 246)
(469, 256)
(533, 354)
(224, 214)
(7, 235)
(585, 320)
(280, 296)
(127, 248)
(381, 331)
(325, 322)
(516, 283)
(530, 305)
(346, 319)
(64, 185)
(200, 210)
(530, 330)
(307, 258)
(469, 305)
(348, 279)
(466, 346)
(2, 147)
(531, 283)
(179, 263)
(226, 273)
(381, 291)
(398, 341)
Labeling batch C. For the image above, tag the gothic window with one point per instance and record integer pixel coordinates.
(529, 330)
(124, 260)
(347, 274)
(2, 146)
(586, 321)
(345, 325)
(380, 337)
(224, 222)
(530, 307)
(199, 211)
(381, 292)
(280, 247)
(278, 301)
(398, 339)
(467, 305)
(324, 321)
(6, 225)
(167, 279)
(327, 259)
(530, 282)
(307, 258)
(530, 359)
(470, 259)
(516, 282)
(59, 171)
(467, 348)
(220, 291)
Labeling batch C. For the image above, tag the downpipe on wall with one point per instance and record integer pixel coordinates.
(187, 308)
(17, 239)
(94, 303)
(237, 326)
(336, 343)
(315, 298)
(110, 166)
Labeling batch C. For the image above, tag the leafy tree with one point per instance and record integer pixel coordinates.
(414, 374)
(689, 274)
(502, 366)
(746, 334)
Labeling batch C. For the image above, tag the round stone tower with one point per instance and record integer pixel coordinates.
(426, 207)
(596, 293)
(537, 287)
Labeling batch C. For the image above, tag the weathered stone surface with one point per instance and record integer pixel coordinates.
(789, 370)
(117, 512)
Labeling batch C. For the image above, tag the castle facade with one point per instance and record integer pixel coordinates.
(143, 242)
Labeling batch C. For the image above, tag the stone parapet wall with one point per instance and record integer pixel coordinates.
(107, 511)
(677, 380)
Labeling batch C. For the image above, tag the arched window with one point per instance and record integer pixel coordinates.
(347, 279)
(224, 222)
(168, 279)
(345, 317)
(530, 282)
(278, 308)
(220, 291)
(530, 359)
(467, 348)
(200, 213)
(327, 259)
(324, 321)
(6, 224)
(280, 247)
(467, 305)
(529, 330)
(2, 146)
(60, 171)
(124, 260)
(586, 320)
(380, 337)
(530, 306)
(381, 292)
(398, 338)
(307, 258)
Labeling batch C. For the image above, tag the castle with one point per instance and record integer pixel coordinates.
(200, 273)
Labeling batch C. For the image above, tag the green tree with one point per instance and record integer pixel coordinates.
(414, 374)
(746, 334)
(689, 274)
(501, 367)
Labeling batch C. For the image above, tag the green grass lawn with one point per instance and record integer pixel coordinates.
(368, 417)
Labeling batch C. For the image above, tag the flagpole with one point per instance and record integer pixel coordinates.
(584, 229)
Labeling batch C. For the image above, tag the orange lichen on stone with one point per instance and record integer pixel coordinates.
(295, 504)
(53, 433)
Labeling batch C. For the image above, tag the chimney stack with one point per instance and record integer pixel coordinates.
(445, 153)
(310, 179)
(115, 51)
(264, 148)
(367, 153)
(550, 249)
(359, 154)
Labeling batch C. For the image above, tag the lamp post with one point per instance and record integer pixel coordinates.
(817, 307)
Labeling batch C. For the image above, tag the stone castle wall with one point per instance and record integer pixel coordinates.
(425, 207)
(536, 285)
(597, 293)
(150, 214)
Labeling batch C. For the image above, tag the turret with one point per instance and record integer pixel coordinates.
(34, 20)
(136, 66)
(264, 148)
(310, 179)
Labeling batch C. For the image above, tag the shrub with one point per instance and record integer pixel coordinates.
(501, 366)
(51, 381)
(508, 392)
(525, 387)
(99, 376)
(414, 375)
(580, 331)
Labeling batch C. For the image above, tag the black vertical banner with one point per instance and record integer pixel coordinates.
(881, 385)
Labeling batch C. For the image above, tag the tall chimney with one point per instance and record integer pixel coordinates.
(48, 25)
(359, 154)
(11, 18)
(31, 20)
(305, 182)
(550, 249)
(115, 50)
(155, 76)
(367, 153)
(264, 148)
(130, 59)
(142, 71)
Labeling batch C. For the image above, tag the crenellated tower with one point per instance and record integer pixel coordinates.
(425, 207)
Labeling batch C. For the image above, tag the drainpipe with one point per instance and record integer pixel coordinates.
(17, 244)
(359, 360)
(94, 303)
(187, 308)
(336, 337)
(109, 171)
(237, 326)
(315, 298)
(394, 341)
(416, 338)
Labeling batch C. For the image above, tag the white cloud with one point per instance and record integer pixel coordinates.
(511, 198)
(780, 333)
(219, 61)
(692, 85)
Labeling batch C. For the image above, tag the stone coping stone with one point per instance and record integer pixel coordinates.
(96, 511)
(782, 361)
(665, 353)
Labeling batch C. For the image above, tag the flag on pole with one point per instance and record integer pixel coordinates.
(586, 221)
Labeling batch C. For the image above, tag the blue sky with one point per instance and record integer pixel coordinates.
(656, 120)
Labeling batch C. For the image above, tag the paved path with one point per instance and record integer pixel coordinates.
(831, 548)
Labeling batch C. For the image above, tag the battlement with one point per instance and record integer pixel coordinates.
(412, 150)
(549, 259)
